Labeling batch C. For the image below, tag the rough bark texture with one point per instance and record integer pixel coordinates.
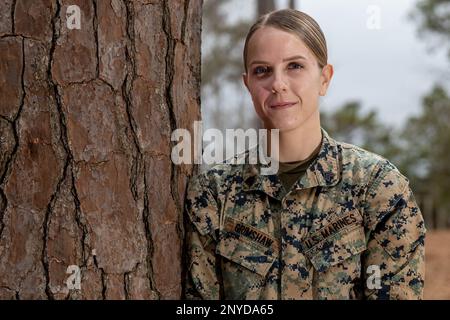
(85, 121)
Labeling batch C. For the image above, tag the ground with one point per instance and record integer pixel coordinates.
(437, 255)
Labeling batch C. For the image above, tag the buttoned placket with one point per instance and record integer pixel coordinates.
(324, 172)
(280, 212)
(285, 217)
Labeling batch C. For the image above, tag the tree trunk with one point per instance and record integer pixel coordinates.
(292, 4)
(86, 115)
(264, 6)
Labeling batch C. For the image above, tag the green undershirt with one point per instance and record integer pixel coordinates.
(290, 172)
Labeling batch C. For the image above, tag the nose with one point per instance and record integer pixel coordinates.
(279, 82)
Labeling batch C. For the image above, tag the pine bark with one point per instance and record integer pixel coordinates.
(86, 116)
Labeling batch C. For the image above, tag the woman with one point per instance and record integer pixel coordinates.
(336, 222)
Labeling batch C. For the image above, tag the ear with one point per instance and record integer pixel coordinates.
(325, 78)
(244, 79)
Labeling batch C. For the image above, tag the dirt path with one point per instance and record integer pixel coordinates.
(437, 255)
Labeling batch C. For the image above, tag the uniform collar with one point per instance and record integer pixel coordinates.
(323, 171)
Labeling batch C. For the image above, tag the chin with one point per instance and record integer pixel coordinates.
(282, 127)
(287, 129)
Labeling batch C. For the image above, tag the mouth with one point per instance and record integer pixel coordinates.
(282, 105)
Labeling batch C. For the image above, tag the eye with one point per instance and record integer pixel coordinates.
(295, 65)
(260, 70)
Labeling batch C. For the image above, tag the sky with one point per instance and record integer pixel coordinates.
(385, 65)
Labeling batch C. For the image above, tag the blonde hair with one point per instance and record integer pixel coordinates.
(297, 23)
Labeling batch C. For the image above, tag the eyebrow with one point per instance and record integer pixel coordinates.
(284, 60)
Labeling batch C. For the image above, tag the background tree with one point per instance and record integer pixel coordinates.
(348, 123)
(86, 116)
(427, 134)
(433, 17)
(264, 6)
(428, 139)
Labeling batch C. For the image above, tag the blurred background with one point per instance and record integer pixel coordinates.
(390, 93)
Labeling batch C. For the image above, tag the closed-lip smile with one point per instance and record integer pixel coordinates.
(283, 104)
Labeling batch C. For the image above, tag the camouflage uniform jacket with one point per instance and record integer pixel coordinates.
(349, 228)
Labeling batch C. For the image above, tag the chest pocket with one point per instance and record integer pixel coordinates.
(245, 266)
(253, 257)
(337, 248)
(247, 245)
(248, 255)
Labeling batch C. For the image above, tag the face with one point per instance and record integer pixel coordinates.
(280, 61)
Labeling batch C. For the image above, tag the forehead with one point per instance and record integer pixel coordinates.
(268, 43)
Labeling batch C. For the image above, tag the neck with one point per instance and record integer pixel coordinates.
(299, 144)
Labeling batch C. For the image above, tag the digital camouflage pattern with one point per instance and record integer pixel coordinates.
(248, 238)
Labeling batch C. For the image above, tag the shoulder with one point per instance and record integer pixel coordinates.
(358, 158)
(369, 168)
(386, 189)
(206, 193)
(383, 187)
(219, 177)
(216, 179)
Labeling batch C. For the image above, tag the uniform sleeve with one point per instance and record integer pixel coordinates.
(203, 279)
(394, 262)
